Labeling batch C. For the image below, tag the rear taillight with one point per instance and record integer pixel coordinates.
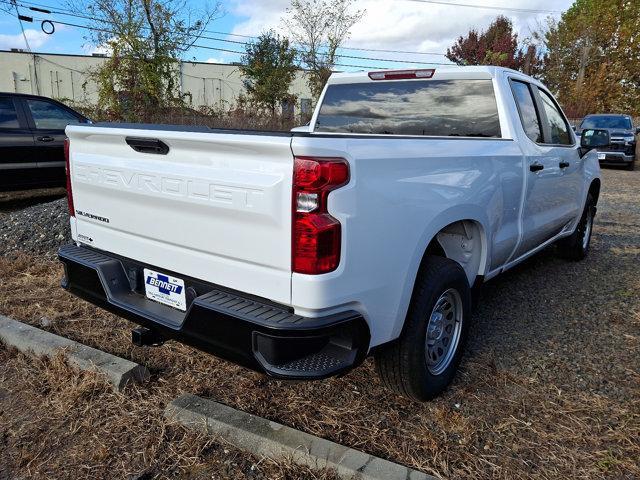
(72, 211)
(316, 234)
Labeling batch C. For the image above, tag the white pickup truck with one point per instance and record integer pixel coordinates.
(299, 254)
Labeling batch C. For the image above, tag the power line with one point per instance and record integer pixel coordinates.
(24, 35)
(206, 47)
(485, 7)
(60, 11)
(359, 49)
(351, 57)
(80, 72)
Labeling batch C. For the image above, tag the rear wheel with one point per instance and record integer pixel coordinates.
(576, 246)
(423, 361)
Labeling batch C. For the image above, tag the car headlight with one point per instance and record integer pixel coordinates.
(629, 138)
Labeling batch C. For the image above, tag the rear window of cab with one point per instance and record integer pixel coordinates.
(458, 108)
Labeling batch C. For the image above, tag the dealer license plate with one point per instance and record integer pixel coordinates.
(602, 156)
(165, 289)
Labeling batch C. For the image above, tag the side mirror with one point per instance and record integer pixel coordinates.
(593, 138)
(637, 130)
(574, 128)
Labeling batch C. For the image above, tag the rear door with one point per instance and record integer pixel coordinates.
(16, 146)
(212, 206)
(545, 210)
(560, 143)
(48, 119)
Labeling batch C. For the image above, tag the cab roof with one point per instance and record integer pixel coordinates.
(446, 72)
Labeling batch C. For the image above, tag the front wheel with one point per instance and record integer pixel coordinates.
(576, 246)
(423, 361)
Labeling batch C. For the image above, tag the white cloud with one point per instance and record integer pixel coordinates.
(259, 15)
(36, 39)
(403, 25)
(100, 49)
(215, 60)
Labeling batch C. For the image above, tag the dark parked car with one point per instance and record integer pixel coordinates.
(622, 149)
(32, 141)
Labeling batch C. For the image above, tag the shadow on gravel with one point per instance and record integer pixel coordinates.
(11, 201)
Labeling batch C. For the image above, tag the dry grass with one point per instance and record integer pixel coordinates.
(550, 387)
(58, 422)
(493, 423)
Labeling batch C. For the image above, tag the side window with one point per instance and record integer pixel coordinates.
(528, 112)
(558, 127)
(47, 115)
(8, 114)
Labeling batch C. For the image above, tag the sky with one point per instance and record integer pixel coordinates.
(425, 29)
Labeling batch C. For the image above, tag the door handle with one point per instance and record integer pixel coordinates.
(564, 164)
(536, 167)
(46, 138)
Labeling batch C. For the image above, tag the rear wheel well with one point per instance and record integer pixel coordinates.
(463, 242)
(434, 248)
(594, 190)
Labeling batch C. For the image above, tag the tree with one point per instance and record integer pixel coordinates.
(593, 57)
(498, 45)
(269, 67)
(145, 40)
(320, 27)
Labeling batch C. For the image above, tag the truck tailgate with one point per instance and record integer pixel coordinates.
(216, 207)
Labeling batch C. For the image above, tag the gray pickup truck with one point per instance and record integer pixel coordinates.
(622, 147)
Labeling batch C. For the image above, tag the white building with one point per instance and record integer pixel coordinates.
(65, 77)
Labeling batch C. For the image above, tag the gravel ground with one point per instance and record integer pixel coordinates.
(549, 387)
(38, 229)
(581, 319)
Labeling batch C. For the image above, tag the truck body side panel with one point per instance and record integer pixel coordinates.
(401, 193)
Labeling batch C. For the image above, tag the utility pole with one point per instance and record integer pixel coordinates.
(26, 42)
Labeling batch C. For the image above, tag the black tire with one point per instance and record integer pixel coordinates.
(576, 246)
(403, 365)
(631, 166)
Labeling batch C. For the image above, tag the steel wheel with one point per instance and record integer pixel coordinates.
(443, 331)
(424, 360)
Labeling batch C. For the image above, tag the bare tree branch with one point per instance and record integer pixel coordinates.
(320, 27)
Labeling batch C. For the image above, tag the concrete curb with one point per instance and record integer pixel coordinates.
(270, 439)
(30, 339)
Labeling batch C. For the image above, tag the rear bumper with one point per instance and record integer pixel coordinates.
(246, 330)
